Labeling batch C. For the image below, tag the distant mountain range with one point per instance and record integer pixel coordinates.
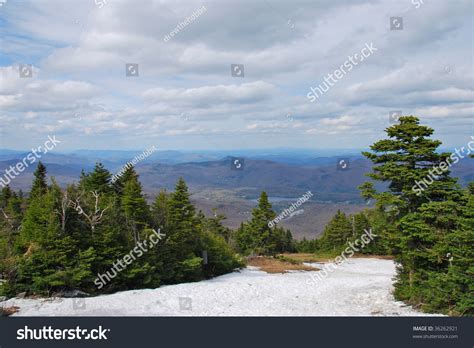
(282, 174)
(118, 157)
(218, 187)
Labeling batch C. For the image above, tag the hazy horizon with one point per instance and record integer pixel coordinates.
(274, 151)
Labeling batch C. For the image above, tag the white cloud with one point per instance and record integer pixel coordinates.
(35, 94)
(246, 93)
(185, 89)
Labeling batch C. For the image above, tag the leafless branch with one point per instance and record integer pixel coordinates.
(7, 218)
(62, 211)
(93, 218)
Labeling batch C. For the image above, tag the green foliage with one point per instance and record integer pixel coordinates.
(47, 258)
(135, 208)
(436, 253)
(221, 257)
(307, 246)
(404, 161)
(60, 240)
(182, 237)
(121, 180)
(160, 209)
(430, 231)
(98, 180)
(378, 222)
(39, 186)
(257, 237)
(336, 233)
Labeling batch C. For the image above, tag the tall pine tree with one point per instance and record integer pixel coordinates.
(39, 185)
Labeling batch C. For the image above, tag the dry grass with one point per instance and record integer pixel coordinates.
(273, 265)
(7, 311)
(283, 263)
(328, 257)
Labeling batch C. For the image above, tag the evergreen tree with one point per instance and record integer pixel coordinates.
(182, 242)
(214, 225)
(385, 230)
(10, 209)
(337, 232)
(245, 240)
(98, 180)
(220, 256)
(5, 195)
(181, 211)
(256, 236)
(49, 259)
(361, 224)
(62, 239)
(10, 222)
(307, 246)
(457, 248)
(407, 161)
(160, 209)
(39, 185)
(426, 230)
(284, 240)
(134, 204)
(126, 176)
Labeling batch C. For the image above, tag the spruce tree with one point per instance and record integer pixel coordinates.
(134, 204)
(62, 239)
(48, 260)
(10, 223)
(126, 176)
(407, 161)
(256, 236)
(160, 210)
(39, 185)
(182, 238)
(98, 180)
(337, 232)
(181, 214)
(5, 195)
(458, 256)
(430, 230)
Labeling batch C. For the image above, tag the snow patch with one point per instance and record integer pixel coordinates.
(359, 287)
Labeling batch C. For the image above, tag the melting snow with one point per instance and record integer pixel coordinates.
(359, 287)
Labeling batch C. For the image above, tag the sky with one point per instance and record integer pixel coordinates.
(63, 72)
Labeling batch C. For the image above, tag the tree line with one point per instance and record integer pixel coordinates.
(57, 239)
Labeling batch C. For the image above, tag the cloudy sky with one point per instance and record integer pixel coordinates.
(185, 96)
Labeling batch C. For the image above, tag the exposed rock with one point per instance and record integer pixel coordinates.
(73, 293)
(21, 295)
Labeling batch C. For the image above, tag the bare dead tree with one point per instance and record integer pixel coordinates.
(94, 217)
(135, 233)
(62, 211)
(14, 225)
(7, 218)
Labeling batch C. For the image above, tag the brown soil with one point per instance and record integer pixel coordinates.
(273, 265)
